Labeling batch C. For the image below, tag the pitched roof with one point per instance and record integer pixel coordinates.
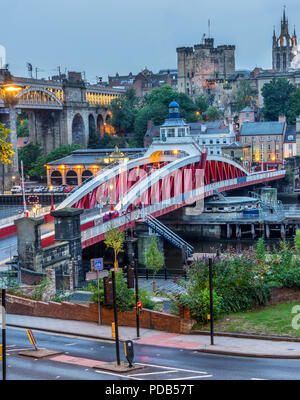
(290, 134)
(262, 128)
(246, 109)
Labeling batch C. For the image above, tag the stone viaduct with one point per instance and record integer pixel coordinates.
(60, 112)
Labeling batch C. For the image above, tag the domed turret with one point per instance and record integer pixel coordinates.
(174, 110)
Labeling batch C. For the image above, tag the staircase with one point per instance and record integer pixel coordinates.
(169, 235)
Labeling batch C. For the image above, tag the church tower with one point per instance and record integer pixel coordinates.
(283, 46)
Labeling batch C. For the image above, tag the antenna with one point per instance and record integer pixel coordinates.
(209, 28)
(29, 68)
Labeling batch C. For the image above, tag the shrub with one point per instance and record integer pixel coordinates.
(199, 304)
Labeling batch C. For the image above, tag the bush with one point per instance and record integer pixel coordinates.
(199, 304)
(125, 297)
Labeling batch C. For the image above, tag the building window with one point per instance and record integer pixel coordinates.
(203, 141)
(290, 147)
(181, 132)
(269, 138)
(277, 138)
(224, 141)
(269, 147)
(171, 132)
(261, 139)
(277, 156)
(277, 147)
(211, 142)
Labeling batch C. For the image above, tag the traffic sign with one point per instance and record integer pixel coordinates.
(98, 264)
(91, 276)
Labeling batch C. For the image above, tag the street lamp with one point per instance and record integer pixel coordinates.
(9, 94)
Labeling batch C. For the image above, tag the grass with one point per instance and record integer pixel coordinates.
(270, 320)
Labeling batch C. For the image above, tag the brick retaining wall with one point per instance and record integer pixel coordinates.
(89, 313)
(283, 295)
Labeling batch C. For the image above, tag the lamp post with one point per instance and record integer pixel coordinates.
(10, 99)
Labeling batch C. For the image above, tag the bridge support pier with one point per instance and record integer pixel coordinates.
(67, 228)
(253, 231)
(282, 231)
(229, 231)
(143, 243)
(268, 231)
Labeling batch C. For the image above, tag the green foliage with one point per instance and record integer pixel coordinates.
(245, 95)
(23, 128)
(202, 103)
(29, 154)
(277, 96)
(293, 110)
(260, 249)
(115, 238)
(153, 258)
(6, 151)
(124, 111)
(40, 289)
(155, 108)
(199, 305)
(297, 241)
(212, 113)
(37, 169)
(106, 141)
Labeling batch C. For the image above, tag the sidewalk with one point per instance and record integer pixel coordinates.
(200, 343)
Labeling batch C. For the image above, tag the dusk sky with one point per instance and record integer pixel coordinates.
(104, 37)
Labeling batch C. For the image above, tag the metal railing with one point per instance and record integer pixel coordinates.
(169, 235)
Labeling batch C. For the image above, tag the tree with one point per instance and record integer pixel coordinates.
(29, 154)
(123, 111)
(202, 103)
(23, 128)
(245, 96)
(115, 238)
(156, 108)
(276, 96)
(6, 151)
(37, 169)
(293, 107)
(153, 258)
(212, 113)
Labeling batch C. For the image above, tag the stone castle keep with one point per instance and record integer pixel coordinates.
(201, 67)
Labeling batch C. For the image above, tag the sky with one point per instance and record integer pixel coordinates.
(102, 37)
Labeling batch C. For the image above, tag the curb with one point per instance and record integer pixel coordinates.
(62, 332)
(248, 336)
(254, 355)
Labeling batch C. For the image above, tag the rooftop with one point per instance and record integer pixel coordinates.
(262, 128)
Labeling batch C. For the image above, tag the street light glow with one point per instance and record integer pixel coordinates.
(12, 89)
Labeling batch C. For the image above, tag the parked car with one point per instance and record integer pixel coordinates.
(61, 189)
(38, 189)
(16, 189)
(44, 189)
(67, 189)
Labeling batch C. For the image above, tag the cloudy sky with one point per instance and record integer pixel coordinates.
(103, 37)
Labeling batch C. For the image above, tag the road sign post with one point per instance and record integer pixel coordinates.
(211, 315)
(137, 300)
(115, 316)
(3, 311)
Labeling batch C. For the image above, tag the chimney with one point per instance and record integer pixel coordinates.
(149, 124)
(282, 118)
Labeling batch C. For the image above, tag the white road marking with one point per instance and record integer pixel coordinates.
(178, 369)
(112, 373)
(155, 373)
(190, 377)
(27, 348)
(71, 344)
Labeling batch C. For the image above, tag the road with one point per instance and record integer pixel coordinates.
(159, 363)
